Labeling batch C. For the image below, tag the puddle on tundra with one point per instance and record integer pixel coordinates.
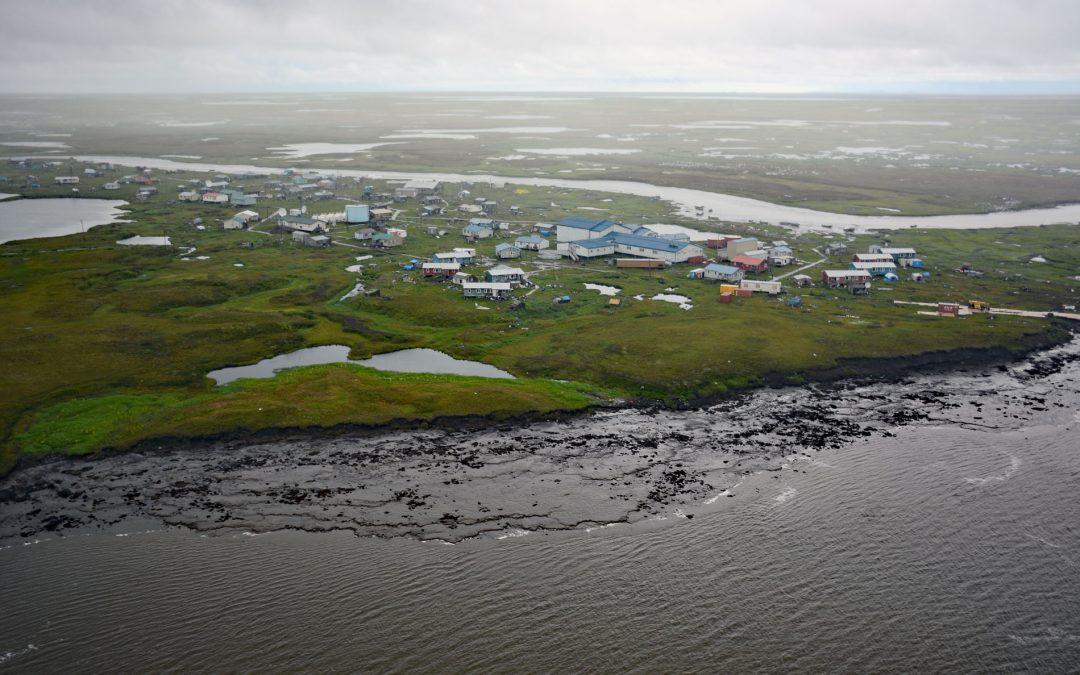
(402, 361)
(602, 289)
(681, 300)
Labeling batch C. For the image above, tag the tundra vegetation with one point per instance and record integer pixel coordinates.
(107, 346)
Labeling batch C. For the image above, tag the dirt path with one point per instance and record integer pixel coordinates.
(800, 269)
(1000, 310)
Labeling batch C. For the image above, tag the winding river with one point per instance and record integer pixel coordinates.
(727, 207)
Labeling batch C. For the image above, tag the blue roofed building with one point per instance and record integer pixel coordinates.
(718, 272)
(656, 248)
(576, 228)
(476, 231)
(505, 251)
(591, 248)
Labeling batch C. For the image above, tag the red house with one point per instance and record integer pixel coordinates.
(440, 269)
(750, 264)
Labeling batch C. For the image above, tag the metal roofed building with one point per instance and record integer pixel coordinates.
(877, 269)
(501, 274)
(301, 224)
(531, 242)
(483, 289)
(576, 228)
(718, 272)
(422, 185)
(507, 251)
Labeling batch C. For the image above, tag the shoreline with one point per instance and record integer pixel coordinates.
(637, 467)
(851, 371)
(735, 208)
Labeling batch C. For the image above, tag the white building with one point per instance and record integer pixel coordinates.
(484, 289)
(770, 287)
(503, 274)
(507, 251)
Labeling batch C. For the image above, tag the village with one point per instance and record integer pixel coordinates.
(501, 255)
(741, 265)
(580, 295)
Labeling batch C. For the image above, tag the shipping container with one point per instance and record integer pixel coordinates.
(770, 287)
(641, 263)
(725, 297)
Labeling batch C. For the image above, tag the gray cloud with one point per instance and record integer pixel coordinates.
(634, 45)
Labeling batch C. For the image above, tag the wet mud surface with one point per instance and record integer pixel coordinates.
(623, 466)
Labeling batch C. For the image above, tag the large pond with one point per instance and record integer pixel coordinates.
(402, 361)
(728, 207)
(36, 218)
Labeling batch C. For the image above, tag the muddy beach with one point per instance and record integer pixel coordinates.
(624, 466)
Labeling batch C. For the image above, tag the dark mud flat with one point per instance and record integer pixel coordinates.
(625, 466)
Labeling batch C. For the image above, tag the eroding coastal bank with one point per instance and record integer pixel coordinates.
(626, 466)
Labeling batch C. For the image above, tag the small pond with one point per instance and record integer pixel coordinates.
(681, 300)
(139, 240)
(35, 218)
(603, 289)
(402, 361)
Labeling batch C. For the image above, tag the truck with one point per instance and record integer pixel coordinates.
(979, 305)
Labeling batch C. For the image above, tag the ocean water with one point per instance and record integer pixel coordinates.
(945, 537)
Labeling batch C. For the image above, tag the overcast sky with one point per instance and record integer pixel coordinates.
(962, 46)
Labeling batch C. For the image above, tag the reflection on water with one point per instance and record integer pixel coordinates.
(729, 207)
(402, 361)
(35, 218)
(944, 541)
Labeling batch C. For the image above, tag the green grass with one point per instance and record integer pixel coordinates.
(318, 396)
(106, 346)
